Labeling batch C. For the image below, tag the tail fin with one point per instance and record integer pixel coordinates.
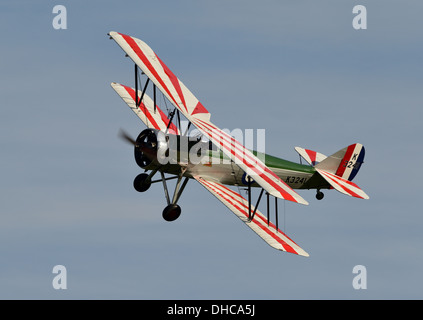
(345, 163)
(340, 169)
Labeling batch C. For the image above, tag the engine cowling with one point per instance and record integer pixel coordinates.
(145, 149)
(155, 148)
(152, 148)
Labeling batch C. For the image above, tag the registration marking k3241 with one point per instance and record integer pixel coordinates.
(295, 180)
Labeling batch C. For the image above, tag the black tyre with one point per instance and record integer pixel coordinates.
(141, 183)
(319, 195)
(171, 212)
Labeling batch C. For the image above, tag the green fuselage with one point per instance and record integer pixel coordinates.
(216, 166)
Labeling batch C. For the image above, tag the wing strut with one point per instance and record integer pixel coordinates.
(276, 213)
(255, 208)
(252, 213)
(143, 91)
(136, 85)
(138, 101)
(249, 197)
(170, 119)
(268, 210)
(154, 98)
(179, 120)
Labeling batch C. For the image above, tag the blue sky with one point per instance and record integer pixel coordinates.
(298, 70)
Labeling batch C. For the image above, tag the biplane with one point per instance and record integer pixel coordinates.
(214, 158)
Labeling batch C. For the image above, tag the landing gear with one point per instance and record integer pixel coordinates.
(171, 212)
(319, 195)
(142, 182)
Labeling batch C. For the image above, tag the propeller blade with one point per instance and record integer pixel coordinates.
(123, 135)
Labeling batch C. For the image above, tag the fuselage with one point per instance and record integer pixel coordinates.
(221, 169)
(203, 159)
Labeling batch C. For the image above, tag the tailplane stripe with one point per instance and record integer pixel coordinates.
(342, 185)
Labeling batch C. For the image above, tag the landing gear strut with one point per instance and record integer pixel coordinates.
(319, 195)
(173, 211)
(142, 183)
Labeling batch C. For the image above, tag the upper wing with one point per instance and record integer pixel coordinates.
(238, 205)
(198, 115)
(155, 119)
(248, 162)
(174, 90)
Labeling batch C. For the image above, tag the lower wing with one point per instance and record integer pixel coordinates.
(152, 117)
(239, 206)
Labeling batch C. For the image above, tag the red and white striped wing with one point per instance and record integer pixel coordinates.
(344, 186)
(239, 206)
(174, 90)
(155, 119)
(248, 162)
(194, 111)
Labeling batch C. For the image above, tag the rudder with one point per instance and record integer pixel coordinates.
(345, 163)
(352, 161)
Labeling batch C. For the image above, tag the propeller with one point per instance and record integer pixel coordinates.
(125, 136)
(145, 147)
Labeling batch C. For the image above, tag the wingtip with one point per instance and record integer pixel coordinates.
(301, 200)
(298, 251)
(304, 202)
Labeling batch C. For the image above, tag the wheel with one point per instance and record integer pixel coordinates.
(171, 212)
(319, 195)
(141, 183)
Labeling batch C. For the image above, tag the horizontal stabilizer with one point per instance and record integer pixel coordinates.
(344, 186)
(239, 206)
(312, 157)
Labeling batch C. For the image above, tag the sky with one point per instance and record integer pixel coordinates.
(299, 70)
